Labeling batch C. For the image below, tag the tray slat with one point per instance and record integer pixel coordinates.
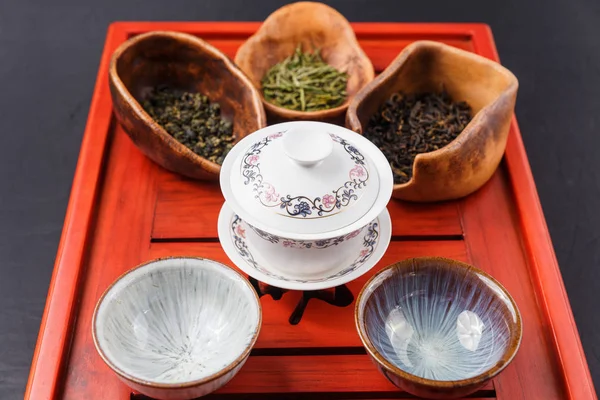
(126, 202)
(495, 246)
(195, 206)
(329, 374)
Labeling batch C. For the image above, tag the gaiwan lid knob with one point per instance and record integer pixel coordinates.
(305, 178)
(307, 147)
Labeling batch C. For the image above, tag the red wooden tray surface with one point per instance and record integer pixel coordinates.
(124, 209)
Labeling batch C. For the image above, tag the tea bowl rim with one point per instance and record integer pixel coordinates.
(138, 111)
(477, 121)
(516, 335)
(348, 35)
(188, 384)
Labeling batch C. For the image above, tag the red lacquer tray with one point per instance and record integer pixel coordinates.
(124, 209)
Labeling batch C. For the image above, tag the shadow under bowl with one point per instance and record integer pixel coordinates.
(314, 25)
(468, 162)
(183, 62)
(177, 328)
(436, 327)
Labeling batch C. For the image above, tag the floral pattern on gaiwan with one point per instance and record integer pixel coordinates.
(370, 241)
(305, 244)
(241, 231)
(328, 200)
(300, 206)
(357, 172)
(253, 159)
(269, 195)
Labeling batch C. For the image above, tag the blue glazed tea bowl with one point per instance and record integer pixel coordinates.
(436, 327)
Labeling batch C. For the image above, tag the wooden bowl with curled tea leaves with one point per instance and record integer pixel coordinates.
(306, 62)
(182, 102)
(441, 116)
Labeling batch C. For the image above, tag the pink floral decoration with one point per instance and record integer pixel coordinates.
(275, 135)
(353, 234)
(357, 172)
(241, 231)
(328, 200)
(269, 194)
(253, 159)
(364, 252)
(287, 243)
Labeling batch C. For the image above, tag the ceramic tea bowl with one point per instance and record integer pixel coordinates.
(313, 25)
(465, 164)
(183, 62)
(437, 328)
(177, 328)
(306, 185)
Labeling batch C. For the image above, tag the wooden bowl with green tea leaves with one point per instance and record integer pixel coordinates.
(441, 116)
(306, 62)
(182, 102)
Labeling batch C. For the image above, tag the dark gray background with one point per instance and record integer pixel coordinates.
(49, 55)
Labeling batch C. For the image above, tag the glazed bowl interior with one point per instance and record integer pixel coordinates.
(436, 321)
(178, 61)
(176, 321)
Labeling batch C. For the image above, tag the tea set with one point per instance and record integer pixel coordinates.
(305, 209)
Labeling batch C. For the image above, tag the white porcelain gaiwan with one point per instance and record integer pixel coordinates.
(306, 198)
(177, 328)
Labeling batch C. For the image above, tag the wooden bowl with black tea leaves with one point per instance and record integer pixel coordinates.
(442, 169)
(308, 27)
(182, 102)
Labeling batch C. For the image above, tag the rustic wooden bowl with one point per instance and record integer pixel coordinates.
(466, 163)
(184, 62)
(312, 25)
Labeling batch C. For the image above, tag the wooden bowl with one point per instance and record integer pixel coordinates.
(312, 25)
(465, 164)
(188, 63)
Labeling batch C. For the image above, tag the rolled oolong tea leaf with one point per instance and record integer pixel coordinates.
(193, 120)
(304, 82)
(409, 124)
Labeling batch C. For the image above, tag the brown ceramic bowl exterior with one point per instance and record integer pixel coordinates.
(185, 62)
(428, 388)
(311, 24)
(464, 165)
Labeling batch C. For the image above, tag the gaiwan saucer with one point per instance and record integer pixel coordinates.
(246, 248)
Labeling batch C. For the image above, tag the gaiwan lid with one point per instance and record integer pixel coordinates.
(306, 180)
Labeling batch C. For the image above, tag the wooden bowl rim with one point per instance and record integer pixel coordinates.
(348, 35)
(398, 62)
(136, 107)
(516, 335)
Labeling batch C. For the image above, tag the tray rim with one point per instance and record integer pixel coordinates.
(54, 338)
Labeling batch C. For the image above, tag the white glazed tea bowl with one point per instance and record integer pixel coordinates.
(177, 328)
(436, 327)
(306, 185)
